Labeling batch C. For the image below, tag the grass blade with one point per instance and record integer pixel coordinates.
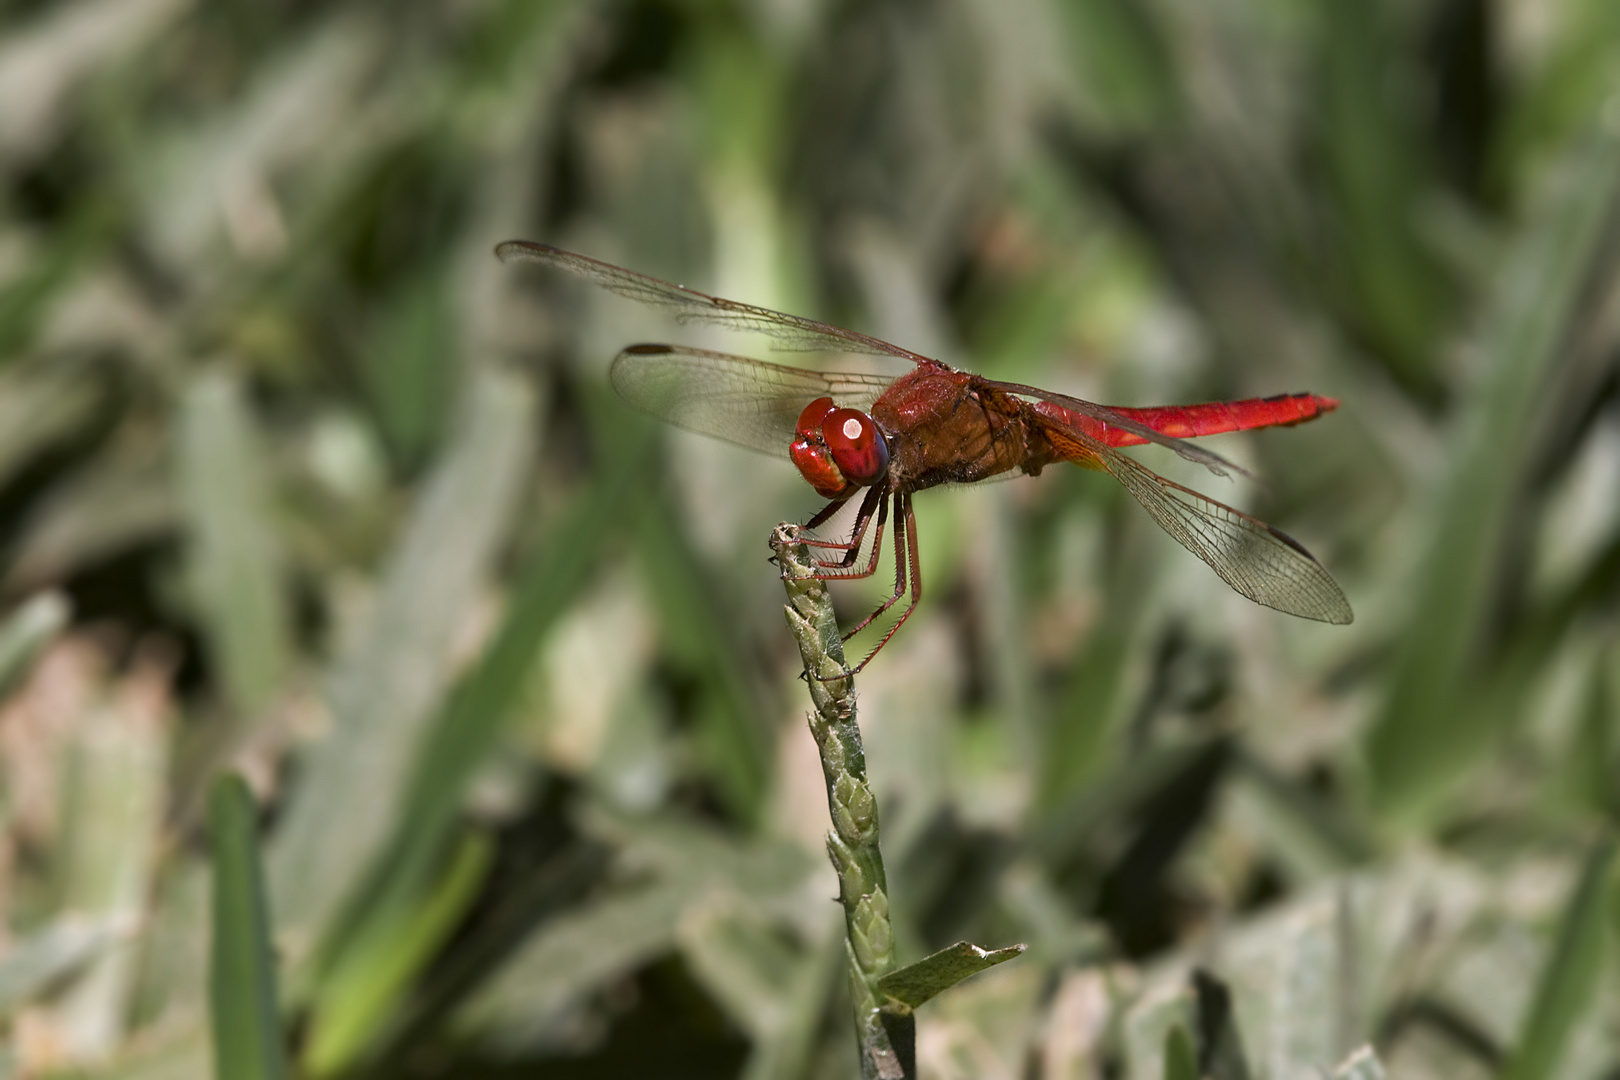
(736, 743)
(1422, 739)
(1570, 977)
(1180, 1056)
(385, 692)
(37, 962)
(242, 970)
(234, 565)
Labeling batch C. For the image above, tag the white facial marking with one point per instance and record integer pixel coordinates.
(852, 428)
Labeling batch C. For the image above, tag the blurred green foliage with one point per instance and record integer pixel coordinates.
(297, 480)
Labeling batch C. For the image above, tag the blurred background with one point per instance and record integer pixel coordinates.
(297, 479)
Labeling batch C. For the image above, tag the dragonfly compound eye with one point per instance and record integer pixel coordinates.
(812, 416)
(858, 448)
(815, 464)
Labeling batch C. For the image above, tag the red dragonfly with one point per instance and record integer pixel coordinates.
(884, 438)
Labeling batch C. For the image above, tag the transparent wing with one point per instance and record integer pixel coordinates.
(1212, 461)
(689, 305)
(797, 332)
(748, 402)
(1265, 564)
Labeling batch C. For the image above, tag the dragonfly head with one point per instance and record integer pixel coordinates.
(838, 450)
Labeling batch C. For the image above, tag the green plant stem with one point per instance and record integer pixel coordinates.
(886, 1037)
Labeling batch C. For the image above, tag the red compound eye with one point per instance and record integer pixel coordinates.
(858, 448)
(812, 416)
(816, 465)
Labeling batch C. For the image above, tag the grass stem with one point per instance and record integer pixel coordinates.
(886, 1038)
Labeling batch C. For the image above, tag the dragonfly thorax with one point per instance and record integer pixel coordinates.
(838, 450)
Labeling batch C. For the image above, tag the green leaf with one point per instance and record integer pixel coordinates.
(786, 1050)
(736, 743)
(1571, 975)
(33, 964)
(576, 952)
(1079, 740)
(25, 300)
(113, 505)
(914, 984)
(1147, 1023)
(234, 561)
(1123, 63)
(1180, 1057)
(26, 633)
(1591, 768)
(40, 409)
(1424, 736)
(696, 870)
(764, 870)
(469, 724)
(304, 92)
(108, 849)
(740, 956)
(471, 721)
(1569, 83)
(242, 976)
(356, 1000)
(386, 690)
(409, 369)
(1390, 284)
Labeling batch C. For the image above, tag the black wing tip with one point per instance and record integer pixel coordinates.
(1290, 541)
(647, 349)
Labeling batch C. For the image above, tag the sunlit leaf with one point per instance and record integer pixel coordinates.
(914, 984)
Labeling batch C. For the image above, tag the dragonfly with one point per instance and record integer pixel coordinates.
(880, 439)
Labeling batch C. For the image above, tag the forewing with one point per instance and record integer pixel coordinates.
(748, 402)
(1265, 564)
(689, 305)
(1212, 461)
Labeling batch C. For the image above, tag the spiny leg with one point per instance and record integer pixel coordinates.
(822, 516)
(875, 497)
(902, 506)
(863, 517)
(840, 570)
(916, 577)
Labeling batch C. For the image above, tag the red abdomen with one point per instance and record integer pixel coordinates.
(1191, 421)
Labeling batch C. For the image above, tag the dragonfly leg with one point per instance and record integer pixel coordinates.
(902, 507)
(915, 565)
(851, 546)
(822, 516)
(834, 570)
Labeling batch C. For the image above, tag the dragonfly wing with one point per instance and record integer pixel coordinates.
(748, 402)
(689, 305)
(1212, 461)
(1265, 564)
